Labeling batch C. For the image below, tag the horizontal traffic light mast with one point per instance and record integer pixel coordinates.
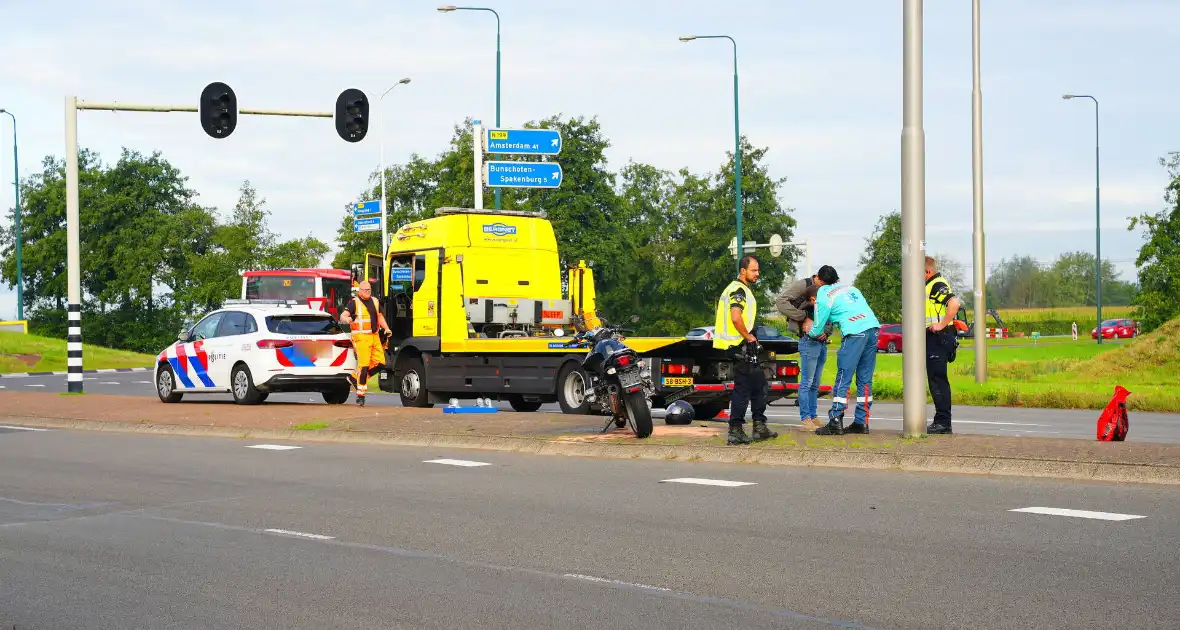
(219, 111)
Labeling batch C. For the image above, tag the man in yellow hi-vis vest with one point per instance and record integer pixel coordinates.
(367, 322)
(941, 306)
(733, 327)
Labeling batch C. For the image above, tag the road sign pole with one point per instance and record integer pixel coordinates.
(913, 224)
(477, 145)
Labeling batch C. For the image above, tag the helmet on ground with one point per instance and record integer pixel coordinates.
(679, 412)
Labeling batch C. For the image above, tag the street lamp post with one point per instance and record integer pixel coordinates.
(447, 9)
(20, 282)
(913, 223)
(1097, 215)
(381, 133)
(979, 276)
(737, 135)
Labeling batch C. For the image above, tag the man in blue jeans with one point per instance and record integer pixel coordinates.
(845, 306)
(797, 304)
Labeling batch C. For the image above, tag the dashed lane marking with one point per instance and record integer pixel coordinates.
(274, 447)
(12, 428)
(1102, 516)
(286, 532)
(710, 482)
(456, 462)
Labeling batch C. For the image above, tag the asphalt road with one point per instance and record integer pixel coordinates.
(117, 530)
(1145, 427)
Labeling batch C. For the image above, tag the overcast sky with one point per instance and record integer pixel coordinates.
(820, 86)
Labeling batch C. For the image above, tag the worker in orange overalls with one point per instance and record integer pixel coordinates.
(367, 323)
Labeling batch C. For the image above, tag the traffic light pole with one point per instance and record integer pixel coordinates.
(73, 266)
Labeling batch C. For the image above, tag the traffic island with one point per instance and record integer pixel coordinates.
(559, 434)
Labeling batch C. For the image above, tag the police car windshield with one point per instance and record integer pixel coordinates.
(303, 325)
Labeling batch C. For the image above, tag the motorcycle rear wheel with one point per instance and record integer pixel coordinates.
(638, 413)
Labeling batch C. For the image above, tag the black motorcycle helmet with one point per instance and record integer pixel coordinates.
(679, 412)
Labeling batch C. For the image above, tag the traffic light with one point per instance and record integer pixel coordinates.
(218, 110)
(352, 115)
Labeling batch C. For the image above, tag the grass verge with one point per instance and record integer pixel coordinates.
(1054, 374)
(29, 353)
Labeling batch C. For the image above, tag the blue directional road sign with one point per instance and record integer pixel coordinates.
(366, 224)
(524, 141)
(362, 208)
(523, 174)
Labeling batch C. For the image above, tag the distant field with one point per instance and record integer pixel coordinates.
(29, 353)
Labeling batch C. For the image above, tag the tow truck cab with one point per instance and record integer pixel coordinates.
(479, 307)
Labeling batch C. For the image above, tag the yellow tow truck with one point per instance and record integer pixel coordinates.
(476, 303)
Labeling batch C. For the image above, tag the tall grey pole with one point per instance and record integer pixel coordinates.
(913, 224)
(16, 215)
(381, 134)
(73, 266)
(980, 270)
(1097, 215)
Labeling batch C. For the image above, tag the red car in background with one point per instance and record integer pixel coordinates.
(889, 339)
(1117, 329)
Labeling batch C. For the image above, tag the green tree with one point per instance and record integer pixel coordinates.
(1159, 257)
(880, 269)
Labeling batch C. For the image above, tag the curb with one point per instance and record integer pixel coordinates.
(963, 464)
(106, 371)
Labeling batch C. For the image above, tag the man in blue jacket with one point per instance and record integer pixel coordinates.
(845, 306)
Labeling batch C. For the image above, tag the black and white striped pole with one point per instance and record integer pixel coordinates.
(218, 111)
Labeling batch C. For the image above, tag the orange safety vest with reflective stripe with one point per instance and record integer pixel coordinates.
(361, 322)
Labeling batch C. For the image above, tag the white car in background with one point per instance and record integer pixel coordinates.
(251, 348)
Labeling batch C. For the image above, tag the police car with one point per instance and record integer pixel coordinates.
(251, 348)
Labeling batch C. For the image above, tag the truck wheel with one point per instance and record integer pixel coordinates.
(639, 413)
(243, 386)
(520, 404)
(166, 385)
(572, 383)
(706, 411)
(413, 384)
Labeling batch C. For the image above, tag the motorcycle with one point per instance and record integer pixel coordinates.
(620, 383)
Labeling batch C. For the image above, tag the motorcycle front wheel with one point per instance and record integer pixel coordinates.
(639, 413)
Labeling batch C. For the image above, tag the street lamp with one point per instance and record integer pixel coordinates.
(737, 135)
(20, 282)
(1097, 214)
(447, 9)
(381, 133)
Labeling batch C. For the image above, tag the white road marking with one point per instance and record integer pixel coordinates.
(5, 426)
(110, 383)
(274, 447)
(143, 382)
(591, 578)
(299, 534)
(1104, 516)
(455, 462)
(36, 385)
(710, 482)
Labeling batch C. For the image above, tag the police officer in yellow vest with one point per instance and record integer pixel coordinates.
(941, 306)
(733, 332)
(367, 322)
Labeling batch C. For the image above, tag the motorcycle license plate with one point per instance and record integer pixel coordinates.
(629, 378)
(678, 381)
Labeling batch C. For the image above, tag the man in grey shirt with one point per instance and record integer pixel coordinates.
(795, 304)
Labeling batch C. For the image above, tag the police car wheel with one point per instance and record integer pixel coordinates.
(337, 396)
(242, 386)
(166, 385)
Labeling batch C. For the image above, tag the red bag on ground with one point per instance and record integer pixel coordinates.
(1113, 423)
